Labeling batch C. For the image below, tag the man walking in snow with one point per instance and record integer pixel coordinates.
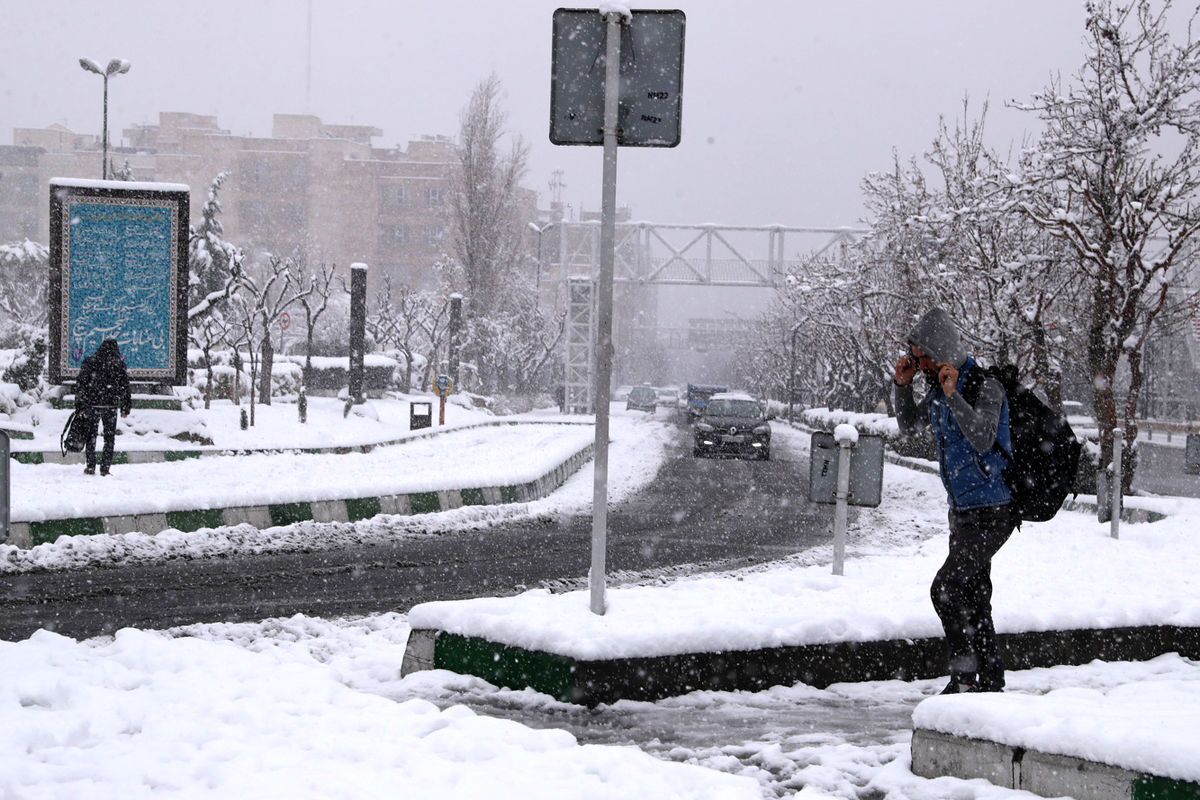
(973, 446)
(100, 390)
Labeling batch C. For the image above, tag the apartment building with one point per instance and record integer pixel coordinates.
(322, 191)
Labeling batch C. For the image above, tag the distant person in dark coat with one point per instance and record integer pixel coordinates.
(101, 390)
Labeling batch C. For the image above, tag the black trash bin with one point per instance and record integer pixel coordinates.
(420, 415)
(1191, 455)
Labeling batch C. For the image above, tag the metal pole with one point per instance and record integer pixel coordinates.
(104, 134)
(5, 477)
(454, 336)
(604, 344)
(1114, 520)
(792, 374)
(840, 510)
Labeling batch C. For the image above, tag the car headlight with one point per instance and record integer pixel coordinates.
(703, 426)
(763, 429)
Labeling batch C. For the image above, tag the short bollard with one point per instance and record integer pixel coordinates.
(5, 485)
(1114, 520)
(840, 509)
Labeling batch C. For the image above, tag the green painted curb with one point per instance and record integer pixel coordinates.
(508, 494)
(26, 435)
(506, 666)
(29, 458)
(188, 521)
(287, 513)
(424, 502)
(1152, 787)
(473, 497)
(49, 530)
(180, 455)
(363, 508)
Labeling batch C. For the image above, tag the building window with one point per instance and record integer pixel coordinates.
(393, 236)
(433, 235)
(393, 195)
(435, 196)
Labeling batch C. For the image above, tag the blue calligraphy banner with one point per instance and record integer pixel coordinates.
(118, 273)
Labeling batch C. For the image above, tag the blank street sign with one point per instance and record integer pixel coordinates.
(651, 78)
(866, 470)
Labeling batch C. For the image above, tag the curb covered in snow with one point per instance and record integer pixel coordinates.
(592, 682)
(29, 534)
(936, 754)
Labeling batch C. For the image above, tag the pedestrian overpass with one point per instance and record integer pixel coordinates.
(657, 254)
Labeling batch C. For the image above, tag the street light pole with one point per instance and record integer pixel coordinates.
(117, 66)
(792, 372)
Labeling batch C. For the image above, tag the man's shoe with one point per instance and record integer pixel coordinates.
(89, 470)
(104, 471)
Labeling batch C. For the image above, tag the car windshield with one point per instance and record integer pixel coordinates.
(733, 408)
(643, 393)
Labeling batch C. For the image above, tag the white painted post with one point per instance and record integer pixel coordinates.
(840, 510)
(1114, 520)
(604, 346)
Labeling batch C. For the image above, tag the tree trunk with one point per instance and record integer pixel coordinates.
(267, 364)
(208, 382)
(406, 382)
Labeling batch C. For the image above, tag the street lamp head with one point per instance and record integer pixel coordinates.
(90, 66)
(118, 66)
(533, 227)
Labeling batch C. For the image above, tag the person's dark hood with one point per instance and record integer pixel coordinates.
(937, 335)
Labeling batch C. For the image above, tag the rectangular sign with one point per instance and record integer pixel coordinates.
(118, 269)
(651, 91)
(866, 470)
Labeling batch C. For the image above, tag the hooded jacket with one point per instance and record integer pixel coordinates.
(103, 380)
(973, 442)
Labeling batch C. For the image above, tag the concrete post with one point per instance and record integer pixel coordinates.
(5, 486)
(454, 335)
(358, 326)
(1114, 520)
(841, 509)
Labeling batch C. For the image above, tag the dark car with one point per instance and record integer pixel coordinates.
(642, 398)
(733, 424)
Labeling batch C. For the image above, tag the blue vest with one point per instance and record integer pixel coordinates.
(972, 479)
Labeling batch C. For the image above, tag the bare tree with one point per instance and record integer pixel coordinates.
(279, 286)
(319, 289)
(212, 331)
(1115, 176)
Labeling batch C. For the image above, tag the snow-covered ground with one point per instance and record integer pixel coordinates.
(276, 427)
(147, 715)
(637, 451)
(315, 708)
(292, 705)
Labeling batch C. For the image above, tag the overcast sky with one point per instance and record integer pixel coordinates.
(786, 103)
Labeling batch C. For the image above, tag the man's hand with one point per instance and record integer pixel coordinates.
(948, 378)
(906, 368)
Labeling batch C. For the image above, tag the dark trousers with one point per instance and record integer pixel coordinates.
(962, 594)
(94, 417)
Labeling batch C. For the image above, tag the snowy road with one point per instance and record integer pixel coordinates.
(713, 512)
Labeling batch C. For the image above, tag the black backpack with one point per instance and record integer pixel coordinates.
(74, 433)
(1045, 453)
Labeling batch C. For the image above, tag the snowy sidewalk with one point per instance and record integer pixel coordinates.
(476, 466)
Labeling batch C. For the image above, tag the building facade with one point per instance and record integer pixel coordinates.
(319, 191)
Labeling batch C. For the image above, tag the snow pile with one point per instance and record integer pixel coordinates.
(1148, 726)
(1060, 575)
(144, 715)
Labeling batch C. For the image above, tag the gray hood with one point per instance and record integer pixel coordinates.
(937, 335)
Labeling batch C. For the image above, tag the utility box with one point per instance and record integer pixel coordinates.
(1191, 454)
(866, 470)
(420, 415)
